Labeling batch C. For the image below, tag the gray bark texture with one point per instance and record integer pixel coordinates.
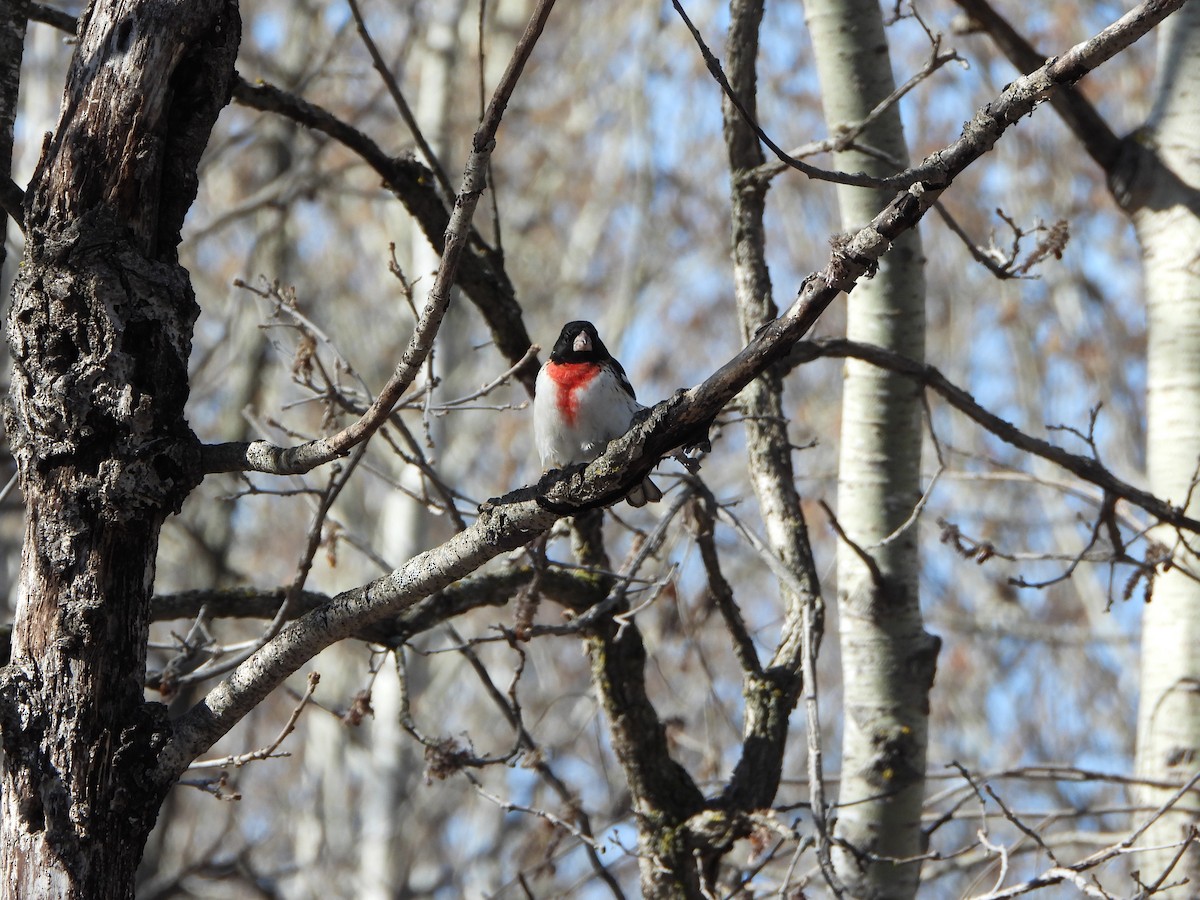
(888, 658)
(770, 695)
(100, 331)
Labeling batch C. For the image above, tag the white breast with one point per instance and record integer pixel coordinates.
(604, 411)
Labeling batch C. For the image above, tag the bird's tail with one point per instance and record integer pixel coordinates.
(646, 492)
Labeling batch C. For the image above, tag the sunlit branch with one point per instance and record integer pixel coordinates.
(1080, 116)
(522, 515)
(270, 751)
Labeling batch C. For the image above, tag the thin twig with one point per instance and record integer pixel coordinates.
(338, 480)
(402, 107)
(866, 558)
(847, 134)
(267, 752)
(816, 783)
(1058, 874)
(496, 382)
(1085, 467)
(714, 67)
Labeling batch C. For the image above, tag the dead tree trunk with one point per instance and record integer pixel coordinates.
(100, 331)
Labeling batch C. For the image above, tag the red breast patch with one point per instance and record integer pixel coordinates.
(570, 377)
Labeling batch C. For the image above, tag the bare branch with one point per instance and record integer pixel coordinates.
(337, 482)
(683, 419)
(718, 587)
(481, 272)
(269, 751)
(56, 18)
(402, 107)
(1087, 468)
(846, 136)
(1079, 115)
(12, 201)
(867, 560)
(1057, 874)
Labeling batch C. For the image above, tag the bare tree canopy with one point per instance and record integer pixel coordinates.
(294, 612)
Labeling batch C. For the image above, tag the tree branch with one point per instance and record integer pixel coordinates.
(489, 589)
(55, 18)
(481, 273)
(1057, 874)
(1085, 467)
(524, 514)
(1079, 115)
(398, 98)
(770, 693)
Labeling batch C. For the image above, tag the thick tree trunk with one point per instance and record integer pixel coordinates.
(100, 331)
(1167, 219)
(887, 657)
(664, 795)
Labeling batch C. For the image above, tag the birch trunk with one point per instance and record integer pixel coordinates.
(100, 331)
(888, 659)
(1168, 228)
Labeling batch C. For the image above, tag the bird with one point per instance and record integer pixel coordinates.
(582, 400)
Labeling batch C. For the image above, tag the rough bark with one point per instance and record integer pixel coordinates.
(100, 331)
(888, 659)
(663, 795)
(1167, 219)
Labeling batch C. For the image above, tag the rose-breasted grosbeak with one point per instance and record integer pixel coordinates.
(584, 400)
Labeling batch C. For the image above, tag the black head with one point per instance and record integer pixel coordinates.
(579, 342)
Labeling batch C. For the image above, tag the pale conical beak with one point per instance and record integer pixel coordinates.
(583, 342)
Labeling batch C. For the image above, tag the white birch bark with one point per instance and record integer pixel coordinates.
(1168, 228)
(887, 657)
